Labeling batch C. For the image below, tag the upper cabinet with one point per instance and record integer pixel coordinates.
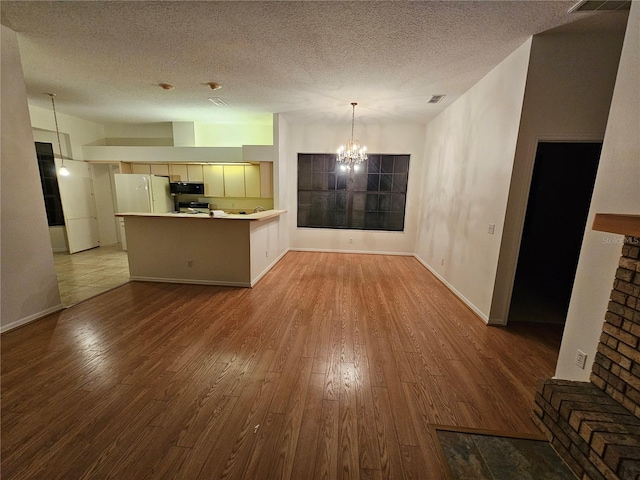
(234, 181)
(213, 180)
(178, 172)
(194, 173)
(161, 169)
(238, 181)
(266, 179)
(143, 168)
(252, 181)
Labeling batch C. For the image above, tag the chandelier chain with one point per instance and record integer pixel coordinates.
(351, 153)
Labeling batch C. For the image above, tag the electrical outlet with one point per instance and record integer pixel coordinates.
(189, 263)
(351, 240)
(442, 263)
(492, 228)
(581, 359)
(266, 253)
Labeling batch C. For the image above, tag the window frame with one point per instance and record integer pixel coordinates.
(371, 199)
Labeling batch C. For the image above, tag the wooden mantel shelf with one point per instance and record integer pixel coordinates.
(617, 223)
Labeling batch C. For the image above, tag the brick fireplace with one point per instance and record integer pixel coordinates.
(595, 426)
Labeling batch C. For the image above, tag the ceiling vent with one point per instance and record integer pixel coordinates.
(436, 99)
(600, 6)
(218, 102)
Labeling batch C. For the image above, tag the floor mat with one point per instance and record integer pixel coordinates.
(480, 455)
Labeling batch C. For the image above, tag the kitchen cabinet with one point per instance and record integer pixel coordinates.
(238, 181)
(252, 181)
(161, 169)
(194, 173)
(266, 179)
(178, 172)
(234, 181)
(141, 168)
(213, 180)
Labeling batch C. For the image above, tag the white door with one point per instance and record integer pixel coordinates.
(103, 195)
(78, 203)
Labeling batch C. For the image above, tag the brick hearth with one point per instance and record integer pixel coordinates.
(595, 426)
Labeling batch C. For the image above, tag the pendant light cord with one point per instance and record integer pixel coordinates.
(55, 118)
(353, 119)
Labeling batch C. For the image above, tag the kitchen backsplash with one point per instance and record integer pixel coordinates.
(230, 203)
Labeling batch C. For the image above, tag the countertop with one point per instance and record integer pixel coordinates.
(259, 216)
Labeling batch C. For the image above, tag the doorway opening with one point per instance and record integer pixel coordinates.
(563, 178)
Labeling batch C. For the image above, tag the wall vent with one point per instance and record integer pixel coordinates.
(600, 6)
(436, 99)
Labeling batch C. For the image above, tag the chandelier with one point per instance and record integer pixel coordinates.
(351, 153)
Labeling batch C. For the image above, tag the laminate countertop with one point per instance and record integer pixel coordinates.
(258, 216)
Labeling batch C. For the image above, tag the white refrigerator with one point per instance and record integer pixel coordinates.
(141, 193)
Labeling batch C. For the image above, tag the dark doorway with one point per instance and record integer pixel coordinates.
(561, 188)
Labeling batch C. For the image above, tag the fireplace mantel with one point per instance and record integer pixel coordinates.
(623, 224)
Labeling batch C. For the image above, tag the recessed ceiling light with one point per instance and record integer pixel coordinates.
(436, 98)
(217, 101)
(166, 86)
(214, 85)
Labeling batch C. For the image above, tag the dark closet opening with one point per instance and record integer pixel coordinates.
(563, 178)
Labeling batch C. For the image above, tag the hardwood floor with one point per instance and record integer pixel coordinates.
(332, 367)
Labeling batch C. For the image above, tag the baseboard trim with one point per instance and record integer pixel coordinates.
(190, 281)
(453, 290)
(269, 267)
(31, 318)
(363, 252)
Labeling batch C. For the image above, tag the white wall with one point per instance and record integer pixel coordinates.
(103, 193)
(199, 134)
(469, 152)
(224, 135)
(385, 139)
(264, 247)
(280, 180)
(567, 97)
(28, 277)
(160, 133)
(58, 239)
(80, 132)
(617, 190)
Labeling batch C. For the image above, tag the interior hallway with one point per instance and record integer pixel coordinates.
(89, 273)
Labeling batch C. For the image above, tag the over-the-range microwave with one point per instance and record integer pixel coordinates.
(191, 188)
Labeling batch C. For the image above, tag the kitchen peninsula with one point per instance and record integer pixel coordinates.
(234, 250)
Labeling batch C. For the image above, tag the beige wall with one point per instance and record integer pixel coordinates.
(280, 179)
(617, 190)
(75, 132)
(384, 138)
(28, 277)
(468, 157)
(567, 97)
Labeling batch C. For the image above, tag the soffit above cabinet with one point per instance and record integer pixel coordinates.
(246, 153)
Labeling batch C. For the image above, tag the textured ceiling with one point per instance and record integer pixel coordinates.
(307, 60)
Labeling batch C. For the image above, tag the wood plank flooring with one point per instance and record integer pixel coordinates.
(332, 367)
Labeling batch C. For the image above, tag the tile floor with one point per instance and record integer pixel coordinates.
(486, 457)
(89, 273)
